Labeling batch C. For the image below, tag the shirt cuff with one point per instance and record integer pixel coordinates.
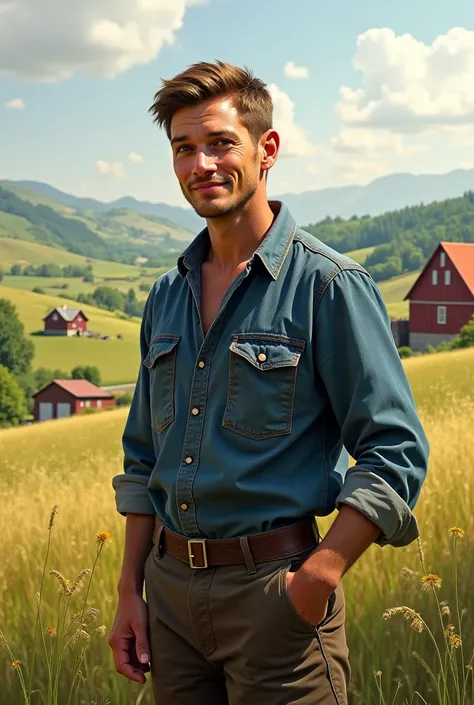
(373, 497)
(131, 494)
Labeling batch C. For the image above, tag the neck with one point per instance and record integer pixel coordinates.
(235, 237)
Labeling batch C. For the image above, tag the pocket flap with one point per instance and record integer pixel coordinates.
(268, 353)
(159, 347)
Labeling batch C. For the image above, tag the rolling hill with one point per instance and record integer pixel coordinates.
(119, 234)
(381, 195)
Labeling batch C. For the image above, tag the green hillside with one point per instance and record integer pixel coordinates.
(394, 291)
(117, 359)
(360, 255)
(120, 235)
(23, 252)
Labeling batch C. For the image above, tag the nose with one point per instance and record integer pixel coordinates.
(204, 163)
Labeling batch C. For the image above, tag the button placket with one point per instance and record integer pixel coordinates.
(197, 406)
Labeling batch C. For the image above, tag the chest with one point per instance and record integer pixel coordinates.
(214, 287)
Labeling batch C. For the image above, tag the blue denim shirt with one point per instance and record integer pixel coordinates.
(247, 428)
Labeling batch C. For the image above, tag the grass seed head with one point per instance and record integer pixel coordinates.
(75, 585)
(409, 614)
(15, 664)
(406, 573)
(64, 584)
(51, 631)
(52, 517)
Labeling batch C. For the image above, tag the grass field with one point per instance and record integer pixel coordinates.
(117, 359)
(393, 292)
(360, 255)
(71, 463)
(22, 252)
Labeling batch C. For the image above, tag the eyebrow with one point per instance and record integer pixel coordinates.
(214, 133)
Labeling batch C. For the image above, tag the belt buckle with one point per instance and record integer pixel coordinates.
(201, 542)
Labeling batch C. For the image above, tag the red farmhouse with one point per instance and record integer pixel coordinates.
(442, 298)
(66, 397)
(65, 321)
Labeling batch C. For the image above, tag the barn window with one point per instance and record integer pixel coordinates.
(88, 403)
(55, 316)
(73, 325)
(442, 259)
(99, 403)
(447, 277)
(79, 318)
(81, 403)
(434, 277)
(441, 315)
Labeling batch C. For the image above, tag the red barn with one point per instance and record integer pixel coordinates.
(66, 397)
(442, 298)
(65, 321)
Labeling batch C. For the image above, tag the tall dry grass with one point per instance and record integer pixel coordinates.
(71, 462)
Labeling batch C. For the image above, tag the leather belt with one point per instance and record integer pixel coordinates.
(258, 548)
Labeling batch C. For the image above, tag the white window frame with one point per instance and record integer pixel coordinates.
(447, 277)
(88, 403)
(55, 316)
(99, 403)
(434, 277)
(442, 259)
(442, 315)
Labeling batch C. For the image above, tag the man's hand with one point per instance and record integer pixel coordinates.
(309, 597)
(310, 587)
(129, 638)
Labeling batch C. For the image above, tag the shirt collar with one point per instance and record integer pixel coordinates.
(271, 251)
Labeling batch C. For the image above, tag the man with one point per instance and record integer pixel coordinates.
(265, 354)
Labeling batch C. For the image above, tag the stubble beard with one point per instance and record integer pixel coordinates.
(231, 204)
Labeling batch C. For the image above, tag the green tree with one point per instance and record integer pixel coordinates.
(16, 270)
(16, 350)
(1, 274)
(89, 372)
(465, 337)
(12, 399)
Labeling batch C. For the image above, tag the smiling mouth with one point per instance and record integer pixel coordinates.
(207, 188)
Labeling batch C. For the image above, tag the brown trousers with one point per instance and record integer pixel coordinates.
(222, 636)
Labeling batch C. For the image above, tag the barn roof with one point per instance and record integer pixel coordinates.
(67, 314)
(80, 388)
(461, 255)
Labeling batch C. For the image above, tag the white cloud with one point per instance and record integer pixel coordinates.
(294, 140)
(114, 169)
(15, 104)
(362, 141)
(102, 38)
(293, 71)
(409, 86)
(135, 158)
(466, 165)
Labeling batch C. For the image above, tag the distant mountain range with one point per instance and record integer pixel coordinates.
(384, 194)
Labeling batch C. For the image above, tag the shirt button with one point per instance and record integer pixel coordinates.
(262, 357)
(201, 364)
(184, 507)
(188, 460)
(195, 411)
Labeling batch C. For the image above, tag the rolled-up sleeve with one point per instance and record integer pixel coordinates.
(372, 402)
(131, 487)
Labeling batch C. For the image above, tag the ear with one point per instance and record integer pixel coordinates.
(270, 146)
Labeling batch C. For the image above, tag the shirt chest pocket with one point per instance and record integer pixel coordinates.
(261, 385)
(161, 362)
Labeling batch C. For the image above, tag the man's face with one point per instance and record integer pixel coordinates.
(215, 159)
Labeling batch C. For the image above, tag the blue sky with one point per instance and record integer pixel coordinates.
(378, 87)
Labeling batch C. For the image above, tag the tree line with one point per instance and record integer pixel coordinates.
(403, 239)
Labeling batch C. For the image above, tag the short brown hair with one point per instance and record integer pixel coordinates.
(203, 81)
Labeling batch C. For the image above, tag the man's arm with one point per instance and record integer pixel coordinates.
(370, 397)
(129, 635)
